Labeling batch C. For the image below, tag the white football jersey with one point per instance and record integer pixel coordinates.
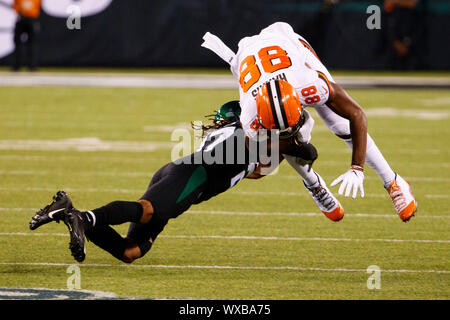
(278, 53)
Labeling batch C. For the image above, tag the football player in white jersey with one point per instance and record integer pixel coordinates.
(278, 53)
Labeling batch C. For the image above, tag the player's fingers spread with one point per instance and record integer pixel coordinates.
(355, 190)
(342, 187)
(349, 188)
(336, 181)
(361, 189)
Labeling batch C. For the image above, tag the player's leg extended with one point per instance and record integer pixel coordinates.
(80, 223)
(340, 126)
(135, 245)
(141, 237)
(315, 185)
(93, 223)
(109, 240)
(398, 189)
(318, 190)
(173, 194)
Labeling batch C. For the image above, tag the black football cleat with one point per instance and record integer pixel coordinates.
(74, 222)
(53, 212)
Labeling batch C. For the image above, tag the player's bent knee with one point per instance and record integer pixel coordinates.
(135, 251)
(147, 211)
(131, 253)
(145, 247)
(127, 259)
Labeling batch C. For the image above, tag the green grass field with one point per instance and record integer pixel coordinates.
(254, 241)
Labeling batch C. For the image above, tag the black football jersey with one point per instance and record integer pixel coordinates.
(225, 157)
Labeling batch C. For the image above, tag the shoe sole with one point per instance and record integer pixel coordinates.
(60, 195)
(335, 215)
(77, 251)
(76, 245)
(413, 214)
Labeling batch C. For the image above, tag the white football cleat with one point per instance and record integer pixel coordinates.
(401, 195)
(325, 200)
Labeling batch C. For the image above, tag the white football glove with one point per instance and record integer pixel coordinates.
(304, 134)
(351, 180)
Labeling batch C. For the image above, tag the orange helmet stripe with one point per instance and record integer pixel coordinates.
(278, 105)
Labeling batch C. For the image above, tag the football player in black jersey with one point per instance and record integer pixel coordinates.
(211, 170)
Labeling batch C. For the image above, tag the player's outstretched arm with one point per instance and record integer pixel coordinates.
(345, 106)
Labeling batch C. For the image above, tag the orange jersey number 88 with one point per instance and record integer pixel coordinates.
(272, 59)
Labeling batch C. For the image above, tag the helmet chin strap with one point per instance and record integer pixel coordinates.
(288, 132)
(292, 131)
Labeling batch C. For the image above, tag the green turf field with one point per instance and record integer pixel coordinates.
(256, 241)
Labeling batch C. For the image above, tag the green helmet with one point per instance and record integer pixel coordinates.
(229, 111)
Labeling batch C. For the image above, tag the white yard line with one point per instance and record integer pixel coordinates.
(437, 196)
(303, 194)
(301, 239)
(309, 214)
(137, 173)
(18, 209)
(251, 213)
(84, 144)
(76, 157)
(89, 144)
(419, 179)
(105, 159)
(235, 237)
(415, 164)
(150, 174)
(174, 80)
(88, 190)
(223, 267)
(83, 173)
(407, 113)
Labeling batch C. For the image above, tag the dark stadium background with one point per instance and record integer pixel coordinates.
(143, 33)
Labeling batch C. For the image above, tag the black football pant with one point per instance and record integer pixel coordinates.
(172, 190)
